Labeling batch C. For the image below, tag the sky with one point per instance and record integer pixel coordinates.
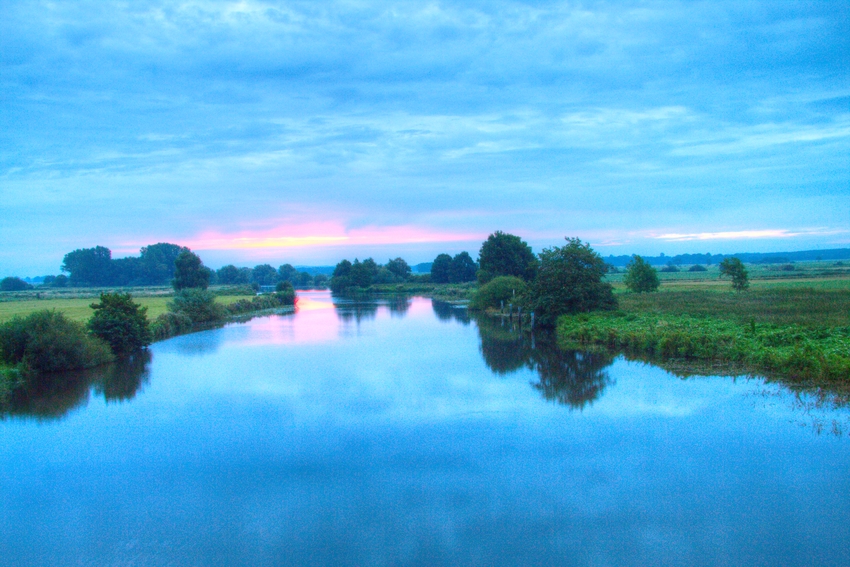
(308, 132)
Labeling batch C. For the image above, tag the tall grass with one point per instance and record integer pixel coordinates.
(796, 334)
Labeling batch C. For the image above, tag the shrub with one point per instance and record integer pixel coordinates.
(670, 269)
(509, 289)
(14, 284)
(47, 341)
(697, 268)
(197, 304)
(121, 322)
(170, 324)
(640, 276)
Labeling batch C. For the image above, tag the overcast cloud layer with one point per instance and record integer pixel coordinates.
(311, 131)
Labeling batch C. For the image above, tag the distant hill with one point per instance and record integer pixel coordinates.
(746, 257)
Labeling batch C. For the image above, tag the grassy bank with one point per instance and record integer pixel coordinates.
(443, 292)
(799, 334)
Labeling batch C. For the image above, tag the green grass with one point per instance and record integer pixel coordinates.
(78, 309)
(796, 333)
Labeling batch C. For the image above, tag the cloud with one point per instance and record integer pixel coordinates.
(747, 235)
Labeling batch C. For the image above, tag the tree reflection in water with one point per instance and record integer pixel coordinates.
(398, 305)
(573, 378)
(446, 311)
(53, 396)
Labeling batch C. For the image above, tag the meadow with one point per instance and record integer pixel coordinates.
(790, 325)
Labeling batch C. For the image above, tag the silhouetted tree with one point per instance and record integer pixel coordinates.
(190, 272)
(462, 269)
(89, 266)
(441, 268)
(569, 280)
(505, 254)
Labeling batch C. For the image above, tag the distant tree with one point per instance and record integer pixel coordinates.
(320, 280)
(287, 272)
(157, 262)
(341, 278)
(60, 281)
(505, 254)
(734, 268)
(190, 272)
(229, 275)
(697, 268)
(640, 276)
(569, 280)
(14, 284)
(363, 272)
(670, 268)
(462, 269)
(48, 280)
(264, 274)
(305, 280)
(398, 268)
(89, 266)
(121, 322)
(441, 268)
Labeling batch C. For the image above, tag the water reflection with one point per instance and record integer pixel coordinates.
(572, 378)
(446, 311)
(53, 396)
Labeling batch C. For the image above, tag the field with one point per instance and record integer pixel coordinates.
(794, 328)
(75, 302)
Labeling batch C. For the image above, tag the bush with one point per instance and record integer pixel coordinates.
(509, 289)
(640, 276)
(47, 341)
(697, 268)
(670, 269)
(170, 324)
(14, 284)
(734, 268)
(121, 322)
(569, 280)
(197, 304)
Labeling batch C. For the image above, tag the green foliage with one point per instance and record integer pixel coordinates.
(507, 289)
(697, 268)
(190, 272)
(47, 341)
(197, 304)
(640, 276)
(791, 352)
(264, 274)
(440, 268)
(399, 268)
(156, 265)
(121, 322)
(505, 254)
(170, 324)
(734, 268)
(88, 266)
(569, 280)
(14, 284)
(230, 275)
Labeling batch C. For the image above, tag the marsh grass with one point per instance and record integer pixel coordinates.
(797, 334)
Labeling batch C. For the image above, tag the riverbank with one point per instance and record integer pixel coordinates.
(798, 334)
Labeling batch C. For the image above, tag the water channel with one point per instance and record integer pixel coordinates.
(403, 432)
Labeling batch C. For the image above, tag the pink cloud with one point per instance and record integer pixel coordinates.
(323, 234)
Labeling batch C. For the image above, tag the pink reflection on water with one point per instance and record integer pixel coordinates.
(317, 320)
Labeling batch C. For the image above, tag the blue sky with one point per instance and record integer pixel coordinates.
(306, 132)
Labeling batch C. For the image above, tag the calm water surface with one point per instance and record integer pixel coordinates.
(400, 432)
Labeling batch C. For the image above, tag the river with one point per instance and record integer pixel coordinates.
(404, 432)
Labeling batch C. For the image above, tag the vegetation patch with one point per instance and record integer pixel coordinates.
(776, 333)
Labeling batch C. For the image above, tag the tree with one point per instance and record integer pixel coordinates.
(157, 262)
(505, 254)
(190, 272)
(121, 322)
(734, 268)
(398, 268)
(287, 272)
(504, 289)
(363, 272)
(198, 304)
(14, 284)
(264, 274)
(569, 280)
(640, 276)
(440, 268)
(89, 266)
(462, 269)
(341, 278)
(229, 275)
